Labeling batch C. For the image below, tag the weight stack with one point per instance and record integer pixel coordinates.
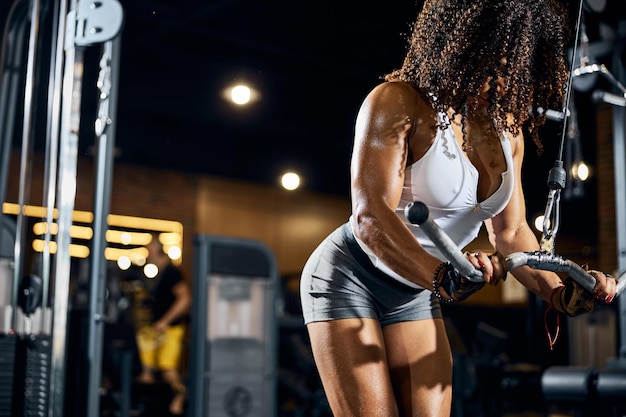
(36, 375)
(10, 359)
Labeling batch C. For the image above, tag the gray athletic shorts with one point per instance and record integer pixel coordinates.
(339, 281)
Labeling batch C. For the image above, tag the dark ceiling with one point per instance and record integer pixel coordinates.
(312, 63)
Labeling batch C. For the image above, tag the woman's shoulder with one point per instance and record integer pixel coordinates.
(394, 93)
(395, 87)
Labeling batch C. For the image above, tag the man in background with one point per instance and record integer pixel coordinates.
(160, 342)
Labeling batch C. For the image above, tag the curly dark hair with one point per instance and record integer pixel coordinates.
(456, 45)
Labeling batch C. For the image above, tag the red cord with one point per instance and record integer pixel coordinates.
(552, 340)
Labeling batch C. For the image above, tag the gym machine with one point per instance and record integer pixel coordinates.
(53, 35)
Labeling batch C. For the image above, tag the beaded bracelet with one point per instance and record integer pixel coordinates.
(436, 285)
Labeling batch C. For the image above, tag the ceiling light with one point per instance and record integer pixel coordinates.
(290, 181)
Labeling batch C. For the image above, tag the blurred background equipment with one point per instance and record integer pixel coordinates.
(233, 368)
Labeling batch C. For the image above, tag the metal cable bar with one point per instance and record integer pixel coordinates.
(417, 213)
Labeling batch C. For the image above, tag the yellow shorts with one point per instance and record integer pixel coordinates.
(161, 350)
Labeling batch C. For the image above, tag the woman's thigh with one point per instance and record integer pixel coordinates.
(352, 363)
(420, 362)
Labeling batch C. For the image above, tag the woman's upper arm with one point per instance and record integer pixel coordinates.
(388, 121)
(383, 127)
(509, 232)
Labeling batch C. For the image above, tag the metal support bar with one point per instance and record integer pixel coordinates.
(66, 192)
(11, 61)
(52, 143)
(619, 163)
(27, 143)
(104, 174)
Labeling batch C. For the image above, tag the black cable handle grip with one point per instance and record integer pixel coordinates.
(417, 213)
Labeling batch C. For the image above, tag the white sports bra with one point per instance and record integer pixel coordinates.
(447, 182)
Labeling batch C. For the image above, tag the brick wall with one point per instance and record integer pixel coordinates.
(293, 224)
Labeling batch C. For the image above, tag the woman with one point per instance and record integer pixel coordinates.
(445, 129)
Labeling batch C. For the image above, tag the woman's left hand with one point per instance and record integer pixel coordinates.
(492, 266)
(606, 286)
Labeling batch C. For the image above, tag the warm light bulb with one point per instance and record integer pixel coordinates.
(150, 270)
(290, 181)
(240, 94)
(539, 222)
(126, 238)
(123, 263)
(174, 252)
(580, 171)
